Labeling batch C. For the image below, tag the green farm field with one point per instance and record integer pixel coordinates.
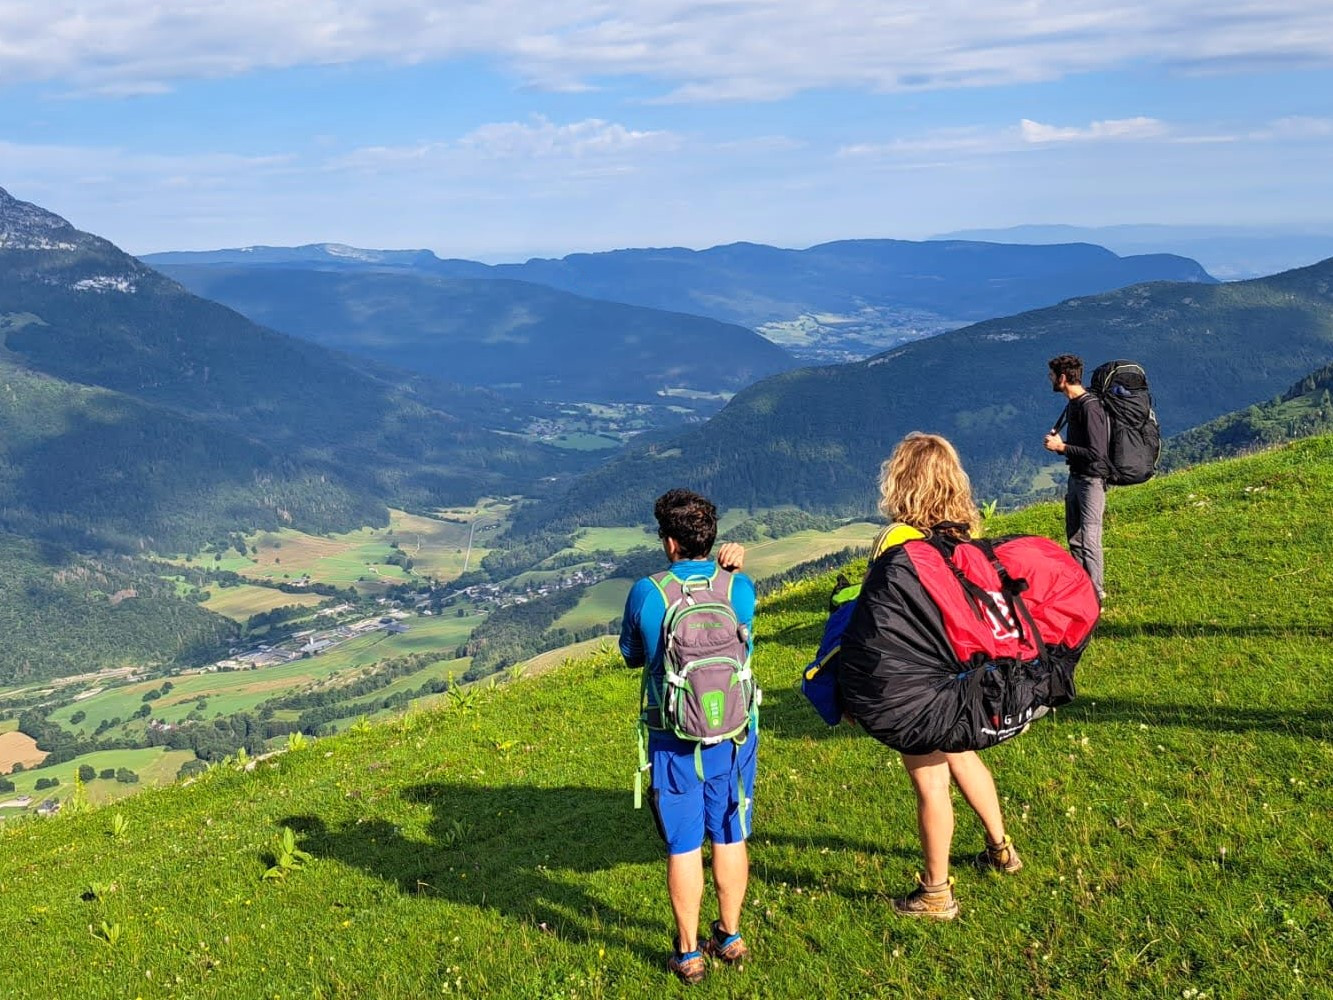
(155, 766)
(770, 556)
(618, 540)
(227, 692)
(242, 601)
(437, 547)
(583, 441)
(599, 604)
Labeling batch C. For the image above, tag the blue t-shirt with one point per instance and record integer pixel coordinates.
(645, 610)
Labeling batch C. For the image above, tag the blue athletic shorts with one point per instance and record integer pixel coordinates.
(686, 808)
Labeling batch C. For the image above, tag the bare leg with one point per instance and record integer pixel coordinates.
(978, 787)
(934, 812)
(685, 885)
(731, 875)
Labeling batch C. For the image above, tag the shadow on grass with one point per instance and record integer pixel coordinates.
(1314, 722)
(521, 850)
(1206, 630)
(788, 714)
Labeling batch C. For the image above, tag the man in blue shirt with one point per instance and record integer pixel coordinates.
(686, 806)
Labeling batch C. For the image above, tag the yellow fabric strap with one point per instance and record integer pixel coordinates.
(891, 535)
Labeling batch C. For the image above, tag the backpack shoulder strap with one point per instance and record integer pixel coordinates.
(891, 535)
(1061, 421)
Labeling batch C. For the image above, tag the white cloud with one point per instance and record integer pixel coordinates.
(1118, 128)
(543, 138)
(604, 147)
(690, 51)
(1297, 128)
(1026, 135)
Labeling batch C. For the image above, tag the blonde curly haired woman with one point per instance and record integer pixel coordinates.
(923, 491)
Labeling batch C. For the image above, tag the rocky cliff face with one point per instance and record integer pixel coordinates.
(24, 226)
(37, 244)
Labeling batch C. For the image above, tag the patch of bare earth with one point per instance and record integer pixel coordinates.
(19, 748)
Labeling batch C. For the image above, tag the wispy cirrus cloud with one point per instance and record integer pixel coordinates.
(1027, 134)
(544, 138)
(1119, 129)
(730, 50)
(1296, 128)
(540, 139)
(1032, 135)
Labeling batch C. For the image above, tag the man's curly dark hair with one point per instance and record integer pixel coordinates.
(1068, 365)
(688, 518)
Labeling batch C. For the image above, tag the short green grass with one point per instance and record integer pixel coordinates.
(1174, 819)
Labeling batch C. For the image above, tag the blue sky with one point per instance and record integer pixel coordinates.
(508, 128)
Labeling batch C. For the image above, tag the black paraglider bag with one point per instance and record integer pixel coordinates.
(955, 644)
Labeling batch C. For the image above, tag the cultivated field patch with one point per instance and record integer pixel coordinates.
(18, 748)
(240, 602)
(770, 556)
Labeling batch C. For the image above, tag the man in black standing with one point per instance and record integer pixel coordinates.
(1086, 448)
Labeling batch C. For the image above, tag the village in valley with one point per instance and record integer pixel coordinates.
(387, 614)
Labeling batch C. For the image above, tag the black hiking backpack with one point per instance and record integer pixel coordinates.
(1135, 436)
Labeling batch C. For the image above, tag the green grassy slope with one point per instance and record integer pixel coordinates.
(1174, 819)
(1302, 411)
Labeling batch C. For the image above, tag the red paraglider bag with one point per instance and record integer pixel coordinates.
(954, 644)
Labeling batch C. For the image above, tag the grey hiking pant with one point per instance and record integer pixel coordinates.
(1085, 507)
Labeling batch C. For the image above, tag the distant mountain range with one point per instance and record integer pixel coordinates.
(139, 415)
(511, 336)
(1228, 252)
(815, 437)
(834, 301)
(137, 418)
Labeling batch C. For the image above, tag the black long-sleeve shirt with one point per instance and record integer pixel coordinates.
(1088, 438)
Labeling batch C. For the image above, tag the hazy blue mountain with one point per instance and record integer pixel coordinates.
(1228, 252)
(517, 337)
(329, 256)
(833, 301)
(137, 412)
(815, 437)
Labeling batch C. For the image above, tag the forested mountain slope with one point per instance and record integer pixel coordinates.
(1303, 410)
(513, 336)
(815, 437)
(178, 404)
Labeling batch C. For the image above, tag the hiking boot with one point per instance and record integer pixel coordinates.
(728, 948)
(934, 902)
(689, 967)
(1001, 857)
